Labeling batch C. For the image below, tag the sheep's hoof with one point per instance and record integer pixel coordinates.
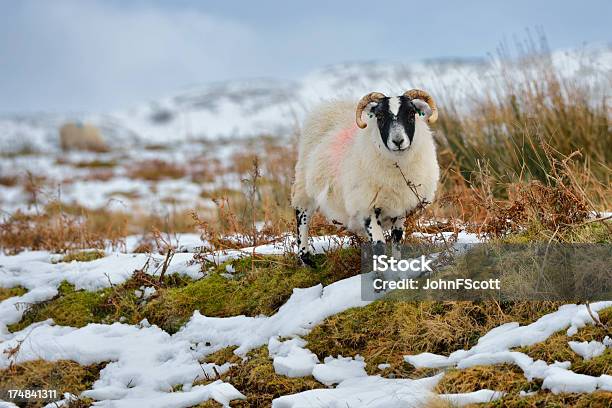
(307, 259)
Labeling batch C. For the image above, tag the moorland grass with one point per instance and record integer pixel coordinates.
(259, 285)
(63, 376)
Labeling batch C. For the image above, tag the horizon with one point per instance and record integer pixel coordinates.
(126, 54)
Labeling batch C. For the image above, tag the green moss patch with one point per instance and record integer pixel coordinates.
(83, 256)
(260, 285)
(69, 308)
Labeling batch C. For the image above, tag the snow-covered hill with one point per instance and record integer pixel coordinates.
(270, 106)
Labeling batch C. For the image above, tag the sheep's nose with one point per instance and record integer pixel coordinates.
(398, 143)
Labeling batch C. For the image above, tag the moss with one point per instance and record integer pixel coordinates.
(63, 376)
(260, 285)
(83, 256)
(6, 293)
(69, 308)
(78, 308)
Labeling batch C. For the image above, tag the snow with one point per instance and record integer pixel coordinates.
(476, 397)
(291, 359)
(144, 361)
(370, 391)
(336, 370)
(587, 350)
(494, 348)
(267, 106)
(145, 364)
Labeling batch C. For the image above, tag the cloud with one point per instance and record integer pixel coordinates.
(71, 55)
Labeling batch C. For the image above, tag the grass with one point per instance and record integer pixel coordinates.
(63, 376)
(258, 381)
(6, 293)
(259, 286)
(83, 256)
(156, 170)
(95, 164)
(555, 348)
(71, 307)
(412, 328)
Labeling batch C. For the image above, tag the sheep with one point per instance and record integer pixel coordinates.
(366, 175)
(78, 136)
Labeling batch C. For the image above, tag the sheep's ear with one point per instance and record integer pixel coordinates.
(371, 107)
(422, 107)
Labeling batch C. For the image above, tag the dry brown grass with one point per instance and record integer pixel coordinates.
(257, 379)
(156, 170)
(61, 228)
(63, 376)
(6, 293)
(414, 327)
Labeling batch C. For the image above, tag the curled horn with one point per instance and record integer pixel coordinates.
(424, 96)
(371, 97)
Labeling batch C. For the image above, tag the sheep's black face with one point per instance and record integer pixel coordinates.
(395, 117)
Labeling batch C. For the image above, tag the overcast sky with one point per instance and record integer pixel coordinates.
(99, 55)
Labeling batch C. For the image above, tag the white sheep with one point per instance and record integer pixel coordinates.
(366, 175)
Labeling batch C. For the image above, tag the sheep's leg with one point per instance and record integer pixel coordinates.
(373, 227)
(397, 234)
(302, 218)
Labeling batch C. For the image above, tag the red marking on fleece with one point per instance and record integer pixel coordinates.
(339, 146)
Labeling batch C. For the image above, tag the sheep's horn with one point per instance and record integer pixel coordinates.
(419, 94)
(371, 97)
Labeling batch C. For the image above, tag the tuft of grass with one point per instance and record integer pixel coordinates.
(61, 228)
(414, 327)
(63, 376)
(96, 164)
(502, 377)
(6, 293)
(156, 170)
(225, 355)
(597, 399)
(555, 348)
(257, 379)
(9, 181)
(83, 256)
